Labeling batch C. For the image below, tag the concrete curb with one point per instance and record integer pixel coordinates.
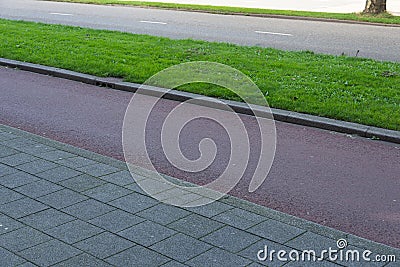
(288, 219)
(242, 108)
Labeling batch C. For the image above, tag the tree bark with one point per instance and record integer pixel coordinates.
(375, 6)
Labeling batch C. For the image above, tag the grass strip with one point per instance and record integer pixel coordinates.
(384, 18)
(351, 89)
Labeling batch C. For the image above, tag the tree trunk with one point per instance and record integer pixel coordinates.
(375, 6)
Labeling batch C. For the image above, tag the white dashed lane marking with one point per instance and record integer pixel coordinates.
(153, 22)
(275, 33)
(61, 14)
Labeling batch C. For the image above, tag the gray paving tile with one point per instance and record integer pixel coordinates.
(181, 247)
(155, 186)
(7, 195)
(81, 183)
(119, 178)
(252, 252)
(17, 159)
(16, 179)
(98, 169)
(49, 253)
(174, 264)
(47, 219)
(276, 231)
(393, 264)
(62, 198)
(37, 166)
(104, 245)
(58, 174)
(231, 239)
(107, 192)
(5, 170)
(8, 224)
(135, 187)
(76, 162)
(211, 209)
(311, 241)
(18, 142)
(182, 200)
(163, 214)
(176, 193)
(239, 218)
(55, 155)
(7, 136)
(22, 238)
(81, 260)
(176, 181)
(357, 263)
(116, 221)
(27, 264)
(313, 264)
(216, 257)
(38, 189)
(36, 149)
(137, 256)
(74, 231)
(195, 225)
(22, 207)
(88, 209)
(147, 233)
(8, 259)
(7, 151)
(134, 202)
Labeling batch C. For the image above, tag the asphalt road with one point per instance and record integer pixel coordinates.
(345, 182)
(375, 42)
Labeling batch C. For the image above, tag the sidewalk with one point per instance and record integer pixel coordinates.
(339, 6)
(64, 206)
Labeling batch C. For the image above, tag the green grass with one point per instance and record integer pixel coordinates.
(385, 18)
(351, 89)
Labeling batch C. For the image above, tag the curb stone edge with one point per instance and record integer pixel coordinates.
(242, 108)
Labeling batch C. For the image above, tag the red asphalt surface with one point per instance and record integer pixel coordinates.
(348, 183)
